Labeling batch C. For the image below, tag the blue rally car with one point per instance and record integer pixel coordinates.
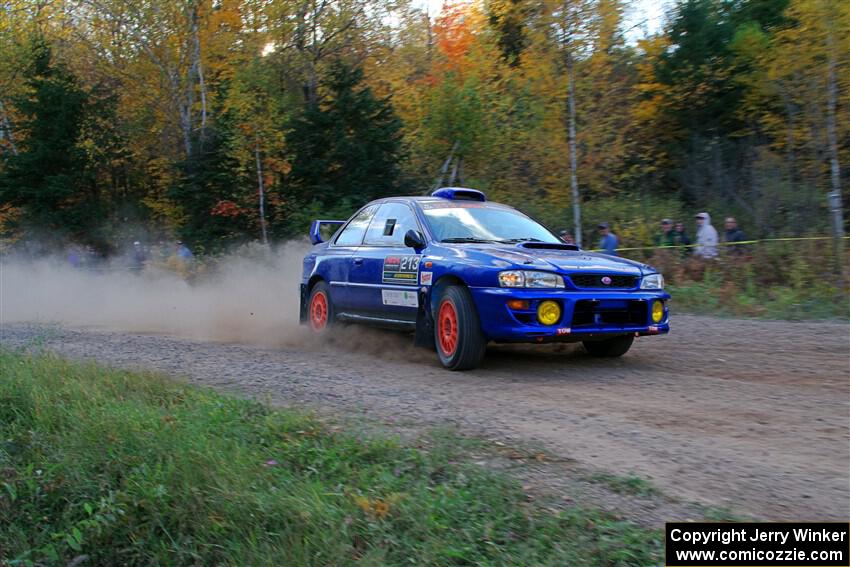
(461, 271)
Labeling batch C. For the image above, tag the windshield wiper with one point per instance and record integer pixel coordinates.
(471, 239)
(522, 240)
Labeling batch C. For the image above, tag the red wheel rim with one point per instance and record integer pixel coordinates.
(319, 311)
(447, 332)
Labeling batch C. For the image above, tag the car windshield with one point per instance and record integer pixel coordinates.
(478, 222)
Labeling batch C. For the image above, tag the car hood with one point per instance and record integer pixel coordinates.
(546, 258)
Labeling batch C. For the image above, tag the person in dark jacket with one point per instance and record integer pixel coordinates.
(733, 234)
(680, 237)
(667, 237)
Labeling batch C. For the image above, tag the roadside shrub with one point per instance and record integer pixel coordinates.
(786, 280)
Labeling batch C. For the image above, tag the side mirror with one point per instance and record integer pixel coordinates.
(414, 239)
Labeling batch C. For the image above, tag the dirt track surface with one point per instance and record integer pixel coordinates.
(749, 415)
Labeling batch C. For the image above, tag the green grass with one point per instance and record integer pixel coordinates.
(631, 484)
(133, 468)
(775, 303)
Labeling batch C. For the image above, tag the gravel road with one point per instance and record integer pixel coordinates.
(749, 415)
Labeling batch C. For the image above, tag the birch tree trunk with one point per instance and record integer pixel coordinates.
(198, 68)
(6, 129)
(261, 190)
(181, 79)
(185, 109)
(573, 157)
(453, 176)
(568, 24)
(835, 199)
(446, 164)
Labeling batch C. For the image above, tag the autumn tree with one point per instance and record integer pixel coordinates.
(345, 149)
(221, 121)
(50, 176)
(511, 21)
(800, 95)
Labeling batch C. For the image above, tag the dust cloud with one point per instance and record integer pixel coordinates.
(250, 295)
(247, 296)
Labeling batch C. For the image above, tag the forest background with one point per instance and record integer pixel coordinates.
(220, 122)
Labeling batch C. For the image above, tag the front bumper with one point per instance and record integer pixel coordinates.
(585, 315)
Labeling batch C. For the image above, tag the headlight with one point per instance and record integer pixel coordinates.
(522, 278)
(511, 279)
(652, 281)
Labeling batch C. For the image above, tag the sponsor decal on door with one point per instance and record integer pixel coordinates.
(400, 298)
(402, 270)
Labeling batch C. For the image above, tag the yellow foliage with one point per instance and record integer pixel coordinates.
(378, 508)
(9, 216)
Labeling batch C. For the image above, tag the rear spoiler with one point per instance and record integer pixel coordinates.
(316, 229)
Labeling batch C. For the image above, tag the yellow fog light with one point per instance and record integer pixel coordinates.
(548, 312)
(657, 311)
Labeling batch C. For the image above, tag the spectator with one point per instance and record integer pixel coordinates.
(680, 237)
(607, 240)
(734, 234)
(91, 259)
(566, 237)
(667, 236)
(183, 252)
(706, 237)
(181, 259)
(138, 258)
(75, 257)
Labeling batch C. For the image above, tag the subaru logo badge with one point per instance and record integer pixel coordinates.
(606, 280)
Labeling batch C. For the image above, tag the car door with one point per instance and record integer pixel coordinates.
(384, 273)
(338, 256)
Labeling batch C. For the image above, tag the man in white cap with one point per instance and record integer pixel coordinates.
(139, 257)
(706, 237)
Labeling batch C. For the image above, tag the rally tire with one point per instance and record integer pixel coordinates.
(320, 309)
(610, 348)
(457, 330)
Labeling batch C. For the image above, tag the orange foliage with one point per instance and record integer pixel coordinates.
(454, 33)
(226, 208)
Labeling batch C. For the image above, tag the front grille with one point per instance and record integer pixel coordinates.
(604, 313)
(595, 281)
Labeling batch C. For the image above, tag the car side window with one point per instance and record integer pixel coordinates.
(390, 224)
(352, 234)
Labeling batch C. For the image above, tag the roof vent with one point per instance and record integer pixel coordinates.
(459, 194)
(547, 245)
